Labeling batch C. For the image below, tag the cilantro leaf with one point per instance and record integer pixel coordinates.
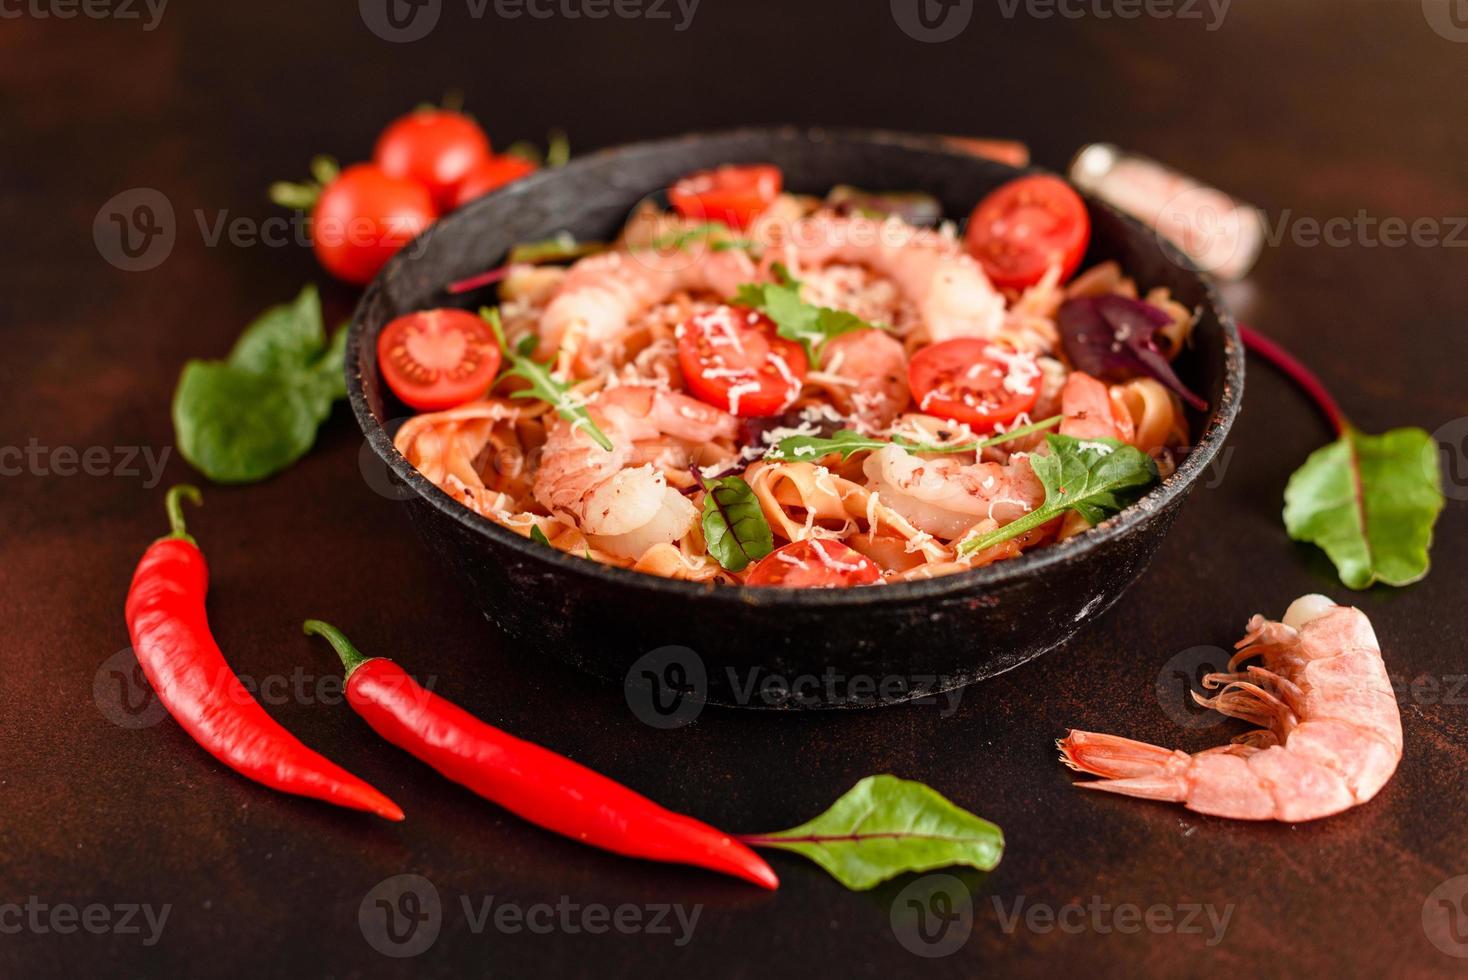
(538, 536)
(794, 318)
(734, 526)
(1094, 477)
(848, 442)
(543, 384)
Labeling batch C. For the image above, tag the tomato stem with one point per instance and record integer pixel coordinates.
(1303, 377)
(172, 503)
(351, 657)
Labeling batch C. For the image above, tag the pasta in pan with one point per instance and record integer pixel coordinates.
(769, 390)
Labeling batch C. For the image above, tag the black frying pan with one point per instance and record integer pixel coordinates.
(750, 647)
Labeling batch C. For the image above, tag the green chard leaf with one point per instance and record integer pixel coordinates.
(734, 526)
(885, 826)
(243, 419)
(1370, 502)
(794, 318)
(849, 442)
(543, 384)
(1094, 477)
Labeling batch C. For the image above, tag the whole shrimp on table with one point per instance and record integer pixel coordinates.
(1332, 735)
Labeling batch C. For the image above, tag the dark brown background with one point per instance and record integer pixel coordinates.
(1316, 109)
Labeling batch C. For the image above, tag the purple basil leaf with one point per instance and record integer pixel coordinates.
(1114, 338)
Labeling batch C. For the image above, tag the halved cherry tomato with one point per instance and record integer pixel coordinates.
(973, 381)
(734, 195)
(491, 173)
(434, 147)
(733, 359)
(363, 217)
(436, 359)
(1020, 230)
(815, 563)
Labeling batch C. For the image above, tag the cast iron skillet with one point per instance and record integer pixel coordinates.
(775, 647)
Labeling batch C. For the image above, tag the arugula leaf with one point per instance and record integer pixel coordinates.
(543, 384)
(734, 526)
(720, 236)
(848, 442)
(1094, 477)
(243, 419)
(538, 536)
(794, 318)
(885, 826)
(1370, 502)
(561, 248)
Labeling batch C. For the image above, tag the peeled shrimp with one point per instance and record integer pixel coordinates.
(624, 508)
(945, 496)
(952, 295)
(1089, 412)
(865, 374)
(599, 297)
(1333, 735)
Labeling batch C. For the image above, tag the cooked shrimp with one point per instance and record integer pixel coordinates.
(624, 508)
(946, 496)
(1333, 735)
(865, 373)
(952, 295)
(1089, 412)
(592, 311)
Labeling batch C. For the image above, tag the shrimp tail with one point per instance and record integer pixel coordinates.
(1118, 758)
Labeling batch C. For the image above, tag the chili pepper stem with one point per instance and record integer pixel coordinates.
(173, 504)
(1298, 373)
(351, 657)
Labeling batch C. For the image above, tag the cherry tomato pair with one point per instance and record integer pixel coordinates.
(424, 165)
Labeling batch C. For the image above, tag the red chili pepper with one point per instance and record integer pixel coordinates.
(170, 634)
(537, 784)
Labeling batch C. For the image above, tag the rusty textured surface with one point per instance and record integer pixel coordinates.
(1311, 110)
